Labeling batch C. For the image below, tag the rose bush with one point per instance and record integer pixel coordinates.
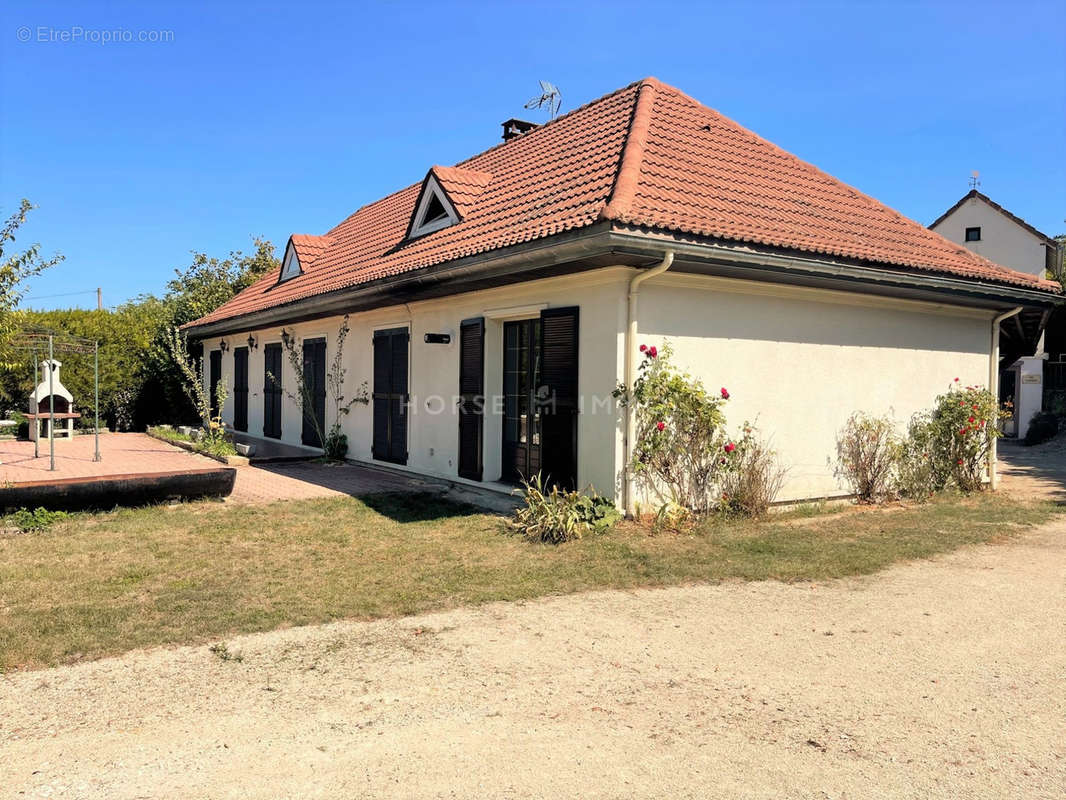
(682, 453)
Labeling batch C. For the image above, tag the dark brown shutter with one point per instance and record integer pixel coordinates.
(471, 397)
(557, 395)
(390, 395)
(240, 388)
(314, 352)
(272, 391)
(216, 376)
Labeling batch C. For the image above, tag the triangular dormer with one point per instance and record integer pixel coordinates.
(447, 197)
(433, 210)
(300, 253)
(290, 265)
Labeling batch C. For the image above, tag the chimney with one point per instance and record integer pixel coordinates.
(513, 128)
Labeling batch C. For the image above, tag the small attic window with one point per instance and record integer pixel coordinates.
(973, 234)
(433, 210)
(290, 267)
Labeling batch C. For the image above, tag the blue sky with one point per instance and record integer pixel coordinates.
(264, 119)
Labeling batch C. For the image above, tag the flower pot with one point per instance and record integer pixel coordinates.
(245, 449)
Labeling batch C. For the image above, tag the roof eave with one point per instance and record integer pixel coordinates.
(605, 240)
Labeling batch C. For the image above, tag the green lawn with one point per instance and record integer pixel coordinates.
(98, 584)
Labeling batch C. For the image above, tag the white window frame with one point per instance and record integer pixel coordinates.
(420, 227)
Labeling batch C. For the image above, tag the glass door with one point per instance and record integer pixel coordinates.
(521, 414)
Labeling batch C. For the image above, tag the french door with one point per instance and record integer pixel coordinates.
(540, 394)
(521, 411)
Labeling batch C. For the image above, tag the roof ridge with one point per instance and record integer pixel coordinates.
(625, 183)
(524, 137)
(979, 195)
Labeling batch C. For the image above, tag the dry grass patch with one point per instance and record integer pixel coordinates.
(100, 584)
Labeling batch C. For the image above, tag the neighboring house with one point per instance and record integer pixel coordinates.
(807, 299)
(982, 225)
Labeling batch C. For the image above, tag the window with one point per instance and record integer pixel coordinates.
(433, 210)
(290, 268)
(973, 234)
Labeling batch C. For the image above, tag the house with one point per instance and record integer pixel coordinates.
(982, 225)
(536, 269)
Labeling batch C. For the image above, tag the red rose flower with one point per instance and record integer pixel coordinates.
(725, 393)
(971, 419)
(960, 461)
(962, 431)
(729, 448)
(660, 425)
(643, 348)
(956, 380)
(652, 352)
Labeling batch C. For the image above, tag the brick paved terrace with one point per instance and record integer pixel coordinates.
(121, 454)
(138, 453)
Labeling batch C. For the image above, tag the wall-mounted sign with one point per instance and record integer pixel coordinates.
(1031, 377)
(438, 338)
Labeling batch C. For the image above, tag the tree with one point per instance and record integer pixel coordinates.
(17, 268)
(196, 290)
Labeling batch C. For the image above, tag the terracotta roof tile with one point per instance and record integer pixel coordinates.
(645, 155)
(308, 248)
(463, 186)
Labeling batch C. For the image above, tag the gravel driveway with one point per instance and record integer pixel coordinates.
(936, 679)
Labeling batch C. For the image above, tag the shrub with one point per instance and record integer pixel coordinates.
(965, 423)
(752, 476)
(919, 474)
(1042, 426)
(950, 444)
(37, 520)
(868, 449)
(555, 515)
(335, 447)
(677, 453)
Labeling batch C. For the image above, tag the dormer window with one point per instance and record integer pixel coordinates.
(290, 267)
(433, 211)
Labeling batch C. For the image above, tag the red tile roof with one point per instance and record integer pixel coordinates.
(645, 155)
(308, 248)
(463, 186)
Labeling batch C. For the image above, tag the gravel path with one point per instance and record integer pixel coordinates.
(937, 679)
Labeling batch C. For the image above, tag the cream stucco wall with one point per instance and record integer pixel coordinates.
(1002, 240)
(796, 361)
(434, 372)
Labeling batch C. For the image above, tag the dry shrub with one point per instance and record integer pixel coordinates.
(753, 479)
(868, 449)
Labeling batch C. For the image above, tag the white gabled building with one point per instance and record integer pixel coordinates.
(493, 304)
(982, 225)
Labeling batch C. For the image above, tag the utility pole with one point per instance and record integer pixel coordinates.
(99, 299)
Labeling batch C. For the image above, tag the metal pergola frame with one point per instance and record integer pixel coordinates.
(35, 340)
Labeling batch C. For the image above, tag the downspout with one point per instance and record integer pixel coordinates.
(631, 370)
(993, 385)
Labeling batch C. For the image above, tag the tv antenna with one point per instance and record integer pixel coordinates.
(975, 179)
(550, 97)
